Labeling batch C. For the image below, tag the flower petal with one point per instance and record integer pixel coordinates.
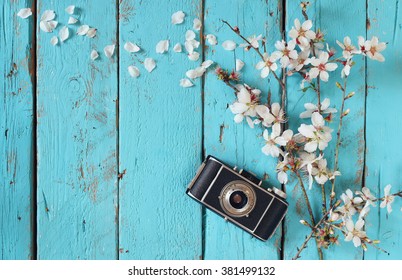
(194, 56)
(48, 26)
(149, 64)
(229, 45)
(207, 63)
(131, 47)
(186, 83)
(211, 39)
(94, 54)
(72, 20)
(54, 41)
(331, 66)
(177, 48)
(190, 35)
(109, 51)
(239, 65)
(48, 15)
(82, 30)
(70, 9)
(178, 17)
(317, 119)
(24, 13)
(64, 33)
(133, 71)
(197, 24)
(162, 46)
(91, 32)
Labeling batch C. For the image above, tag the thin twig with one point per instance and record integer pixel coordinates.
(324, 200)
(304, 245)
(310, 210)
(338, 140)
(256, 49)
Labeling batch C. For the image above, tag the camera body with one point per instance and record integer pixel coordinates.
(238, 197)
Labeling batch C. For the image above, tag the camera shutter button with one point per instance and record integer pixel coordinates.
(279, 193)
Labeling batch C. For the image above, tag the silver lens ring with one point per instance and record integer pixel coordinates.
(237, 187)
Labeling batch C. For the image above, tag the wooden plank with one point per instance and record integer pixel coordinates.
(384, 127)
(237, 144)
(327, 15)
(77, 164)
(16, 127)
(160, 136)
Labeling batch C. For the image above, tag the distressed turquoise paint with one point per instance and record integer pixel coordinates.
(16, 153)
(77, 171)
(237, 144)
(325, 16)
(384, 127)
(160, 136)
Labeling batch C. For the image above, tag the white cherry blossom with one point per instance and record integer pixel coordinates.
(285, 52)
(348, 49)
(388, 199)
(303, 59)
(254, 42)
(281, 169)
(347, 65)
(245, 106)
(302, 33)
(307, 161)
(354, 231)
(374, 48)
(264, 113)
(275, 140)
(318, 135)
(366, 195)
(322, 67)
(267, 65)
(311, 108)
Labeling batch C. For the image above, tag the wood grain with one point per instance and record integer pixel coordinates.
(160, 136)
(384, 127)
(77, 163)
(16, 132)
(237, 144)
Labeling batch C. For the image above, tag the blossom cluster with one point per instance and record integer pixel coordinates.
(301, 152)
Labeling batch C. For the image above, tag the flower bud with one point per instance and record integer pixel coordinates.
(338, 85)
(350, 95)
(236, 29)
(346, 112)
(303, 222)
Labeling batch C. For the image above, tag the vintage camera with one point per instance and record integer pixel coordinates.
(238, 197)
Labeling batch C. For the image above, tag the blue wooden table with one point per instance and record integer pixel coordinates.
(94, 163)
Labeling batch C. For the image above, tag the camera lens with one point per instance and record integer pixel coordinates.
(238, 199)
